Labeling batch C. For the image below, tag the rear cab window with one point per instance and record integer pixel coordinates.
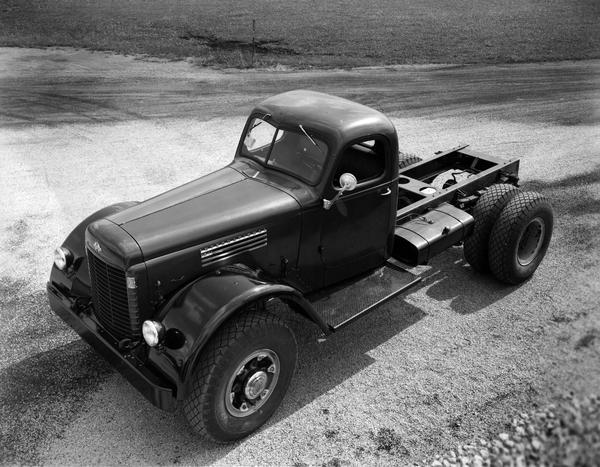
(366, 160)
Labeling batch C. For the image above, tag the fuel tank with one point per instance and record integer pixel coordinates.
(419, 239)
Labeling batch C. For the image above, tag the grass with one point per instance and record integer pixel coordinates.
(310, 33)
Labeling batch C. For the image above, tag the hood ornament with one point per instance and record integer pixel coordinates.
(96, 247)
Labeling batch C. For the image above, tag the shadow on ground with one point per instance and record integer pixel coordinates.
(468, 291)
(42, 394)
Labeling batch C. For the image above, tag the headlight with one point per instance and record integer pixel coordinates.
(153, 332)
(63, 258)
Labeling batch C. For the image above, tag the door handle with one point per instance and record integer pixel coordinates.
(387, 192)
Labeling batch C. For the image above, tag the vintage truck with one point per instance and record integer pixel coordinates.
(190, 294)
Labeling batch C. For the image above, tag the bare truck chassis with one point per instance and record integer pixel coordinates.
(190, 294)
(427, 223)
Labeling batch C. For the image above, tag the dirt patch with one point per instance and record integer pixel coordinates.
(587, 339)
(272, 46)
(17, 234)
(387, 440)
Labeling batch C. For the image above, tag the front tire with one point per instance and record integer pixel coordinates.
(242, 376)
(520, 237)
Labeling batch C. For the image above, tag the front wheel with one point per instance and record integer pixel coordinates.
(520, 237)
(242, 377)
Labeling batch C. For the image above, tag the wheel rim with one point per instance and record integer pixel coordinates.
(252, 383)
(531, 241)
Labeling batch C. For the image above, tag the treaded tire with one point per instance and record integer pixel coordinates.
(407, 159)
(520, 237)
(486, 212)
(205, 408)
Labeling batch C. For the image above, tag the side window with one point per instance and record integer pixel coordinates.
(258, 139)
(364, 159)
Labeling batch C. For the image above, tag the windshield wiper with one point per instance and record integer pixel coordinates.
(311, 140)
(264, 117)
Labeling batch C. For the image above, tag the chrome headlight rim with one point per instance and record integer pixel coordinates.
(63, 258)
(153, 332)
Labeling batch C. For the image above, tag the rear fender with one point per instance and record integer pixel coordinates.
(196, 312)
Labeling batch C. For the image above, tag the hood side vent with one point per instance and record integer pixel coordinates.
(225, 249)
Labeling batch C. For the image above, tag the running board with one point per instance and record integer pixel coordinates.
(355, 298)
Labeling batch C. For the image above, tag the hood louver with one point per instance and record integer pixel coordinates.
(225, 249)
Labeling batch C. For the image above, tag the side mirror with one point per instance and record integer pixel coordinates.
(348, 182)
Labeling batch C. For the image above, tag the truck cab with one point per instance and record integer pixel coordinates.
(302, 142)
(190, 294)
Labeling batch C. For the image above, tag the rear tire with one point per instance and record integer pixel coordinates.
(520, 237)
(486, 212)
(407, 159)
(242, 377)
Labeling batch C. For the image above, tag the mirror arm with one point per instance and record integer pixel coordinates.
(327, 203)
(347, 183)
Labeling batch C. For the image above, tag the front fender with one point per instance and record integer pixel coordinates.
(200, 308)
(77, 278)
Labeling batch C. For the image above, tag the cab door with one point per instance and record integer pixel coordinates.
(356, 231)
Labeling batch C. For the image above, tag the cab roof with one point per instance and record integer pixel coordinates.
(338, 119)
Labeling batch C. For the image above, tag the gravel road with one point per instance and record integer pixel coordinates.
(449, 363)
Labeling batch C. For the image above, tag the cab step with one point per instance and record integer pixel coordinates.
(349, 301)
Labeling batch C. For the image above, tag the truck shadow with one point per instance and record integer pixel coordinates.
(44, 394)
(468, 291)
(323, 366)
(41, 394)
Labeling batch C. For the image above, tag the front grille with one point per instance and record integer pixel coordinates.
(111, 304)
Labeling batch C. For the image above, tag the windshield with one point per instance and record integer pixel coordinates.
(295, 152)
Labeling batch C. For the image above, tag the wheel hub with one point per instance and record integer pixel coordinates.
(252, 383)
(531, 241)
(256, 384)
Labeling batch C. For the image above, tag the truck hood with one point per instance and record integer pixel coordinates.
(214, 206)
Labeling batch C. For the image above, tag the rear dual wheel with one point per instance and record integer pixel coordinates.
(520, 237)
(242, 376)
(486, 213)
(406, 160)
(511, 233)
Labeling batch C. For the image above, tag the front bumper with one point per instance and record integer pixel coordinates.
(154, 386)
